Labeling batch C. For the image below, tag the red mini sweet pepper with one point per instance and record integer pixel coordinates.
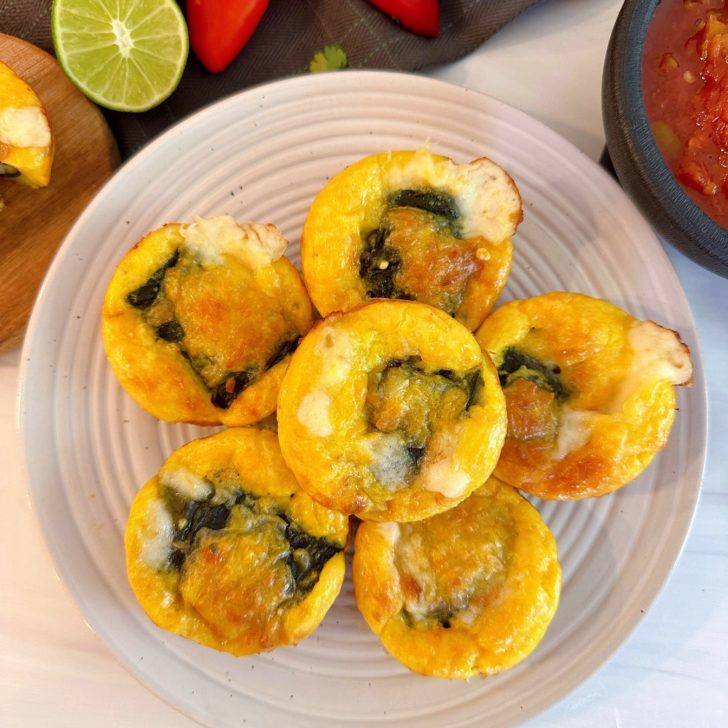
(220, 28)
(419, 16)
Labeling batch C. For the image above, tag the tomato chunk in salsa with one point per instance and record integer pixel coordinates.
(685, 86)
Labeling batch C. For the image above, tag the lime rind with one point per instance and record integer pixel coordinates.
(125, 55)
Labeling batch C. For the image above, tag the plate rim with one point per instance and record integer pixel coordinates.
(552, 696)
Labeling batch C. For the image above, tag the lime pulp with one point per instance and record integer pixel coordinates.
(126, 55)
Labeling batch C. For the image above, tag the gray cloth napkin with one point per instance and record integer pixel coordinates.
(289, 35)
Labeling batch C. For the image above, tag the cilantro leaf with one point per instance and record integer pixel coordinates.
(331, 58)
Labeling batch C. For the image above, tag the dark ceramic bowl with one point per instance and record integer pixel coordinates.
(634, 154)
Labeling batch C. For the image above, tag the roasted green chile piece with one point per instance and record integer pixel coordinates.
(304, 555)
(144, 296)
(434, 201)
(225, 393)
(517, 364)
(171, 331)
(379, 263)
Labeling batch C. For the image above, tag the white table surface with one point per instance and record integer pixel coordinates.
(673, 670)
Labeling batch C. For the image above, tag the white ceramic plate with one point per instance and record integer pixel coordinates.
(263, 155)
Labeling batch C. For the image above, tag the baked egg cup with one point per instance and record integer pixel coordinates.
(467, 592)
(224, 548)
(199, 321)
(590, 392)
(412, 225)
(390, 412)
(26, 142)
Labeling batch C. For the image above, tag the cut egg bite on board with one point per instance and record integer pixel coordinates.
(390, 412)
(468, 592)
(590, 392)
(224, 548)
(199, 321)
(412, 225)
(26, 142)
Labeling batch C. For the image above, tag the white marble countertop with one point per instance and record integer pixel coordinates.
(672, 671)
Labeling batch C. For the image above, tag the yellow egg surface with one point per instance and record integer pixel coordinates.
(26, 142)
(223, 547)
(412, 225)
(468, 592)
(390, 412)
(590, 392)
(199, 321)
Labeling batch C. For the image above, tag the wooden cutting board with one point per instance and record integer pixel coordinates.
(34, 222)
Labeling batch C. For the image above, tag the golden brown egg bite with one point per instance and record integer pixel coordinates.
(590, 392)
(199, 321)
(26, 142)
(468, 592)
(390, 412)
(412, 225)
(224, 548)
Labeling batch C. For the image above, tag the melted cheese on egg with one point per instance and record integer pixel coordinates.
(337, 350)
(574, 429)
(657, 353)
(443, 474)
(391, 462)
(390, 531)
(156, 545)
(412, 559)
(313, 413)
(445, 477)
(26, 126)
(208, 240)
(186, 483)
(487, 198)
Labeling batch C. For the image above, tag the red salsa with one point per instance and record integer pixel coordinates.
(685, 83)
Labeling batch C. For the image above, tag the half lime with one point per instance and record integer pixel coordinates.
(126, 55)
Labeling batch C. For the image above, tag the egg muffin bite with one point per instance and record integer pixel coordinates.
(467, 592)
(590, 392)
(199, 321)
(412, 225)
(224, 548)
(390, 412)
(26, 142)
